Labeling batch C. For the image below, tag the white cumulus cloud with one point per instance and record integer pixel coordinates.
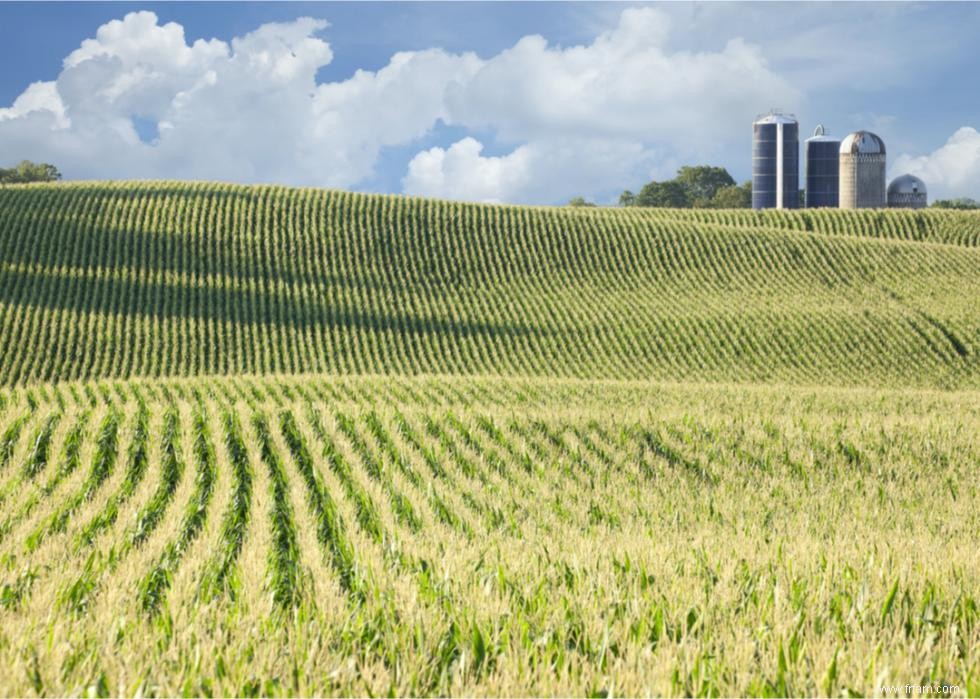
(547, 170)
(461, 172)
(248, 110)
(587, 119)
(40, 100)
(580, 120)
(626, 84)
(951, 171)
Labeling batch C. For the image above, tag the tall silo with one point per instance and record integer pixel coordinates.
(822, 165)
(862, 171)
(775, 162)
(907, 192)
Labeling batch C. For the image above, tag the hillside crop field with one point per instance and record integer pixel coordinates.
(172, 279)
(273, 441)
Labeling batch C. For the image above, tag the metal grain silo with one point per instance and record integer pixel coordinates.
(775, 162)
(862, 171)
(822, 166)
(907, 192)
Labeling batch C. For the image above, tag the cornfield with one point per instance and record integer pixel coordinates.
(485, 536)
(267, 441)
(175, 279)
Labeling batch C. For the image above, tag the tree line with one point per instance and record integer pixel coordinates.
(26, 171)
(694, 187)
(963, 203)
(709, 187)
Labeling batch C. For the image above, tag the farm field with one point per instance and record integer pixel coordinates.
(177, 279)
(331, 535)
(278, 441)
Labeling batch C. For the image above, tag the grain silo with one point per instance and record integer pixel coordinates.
(775, 162)
(862, 171)
(907, 192)
(822, 166)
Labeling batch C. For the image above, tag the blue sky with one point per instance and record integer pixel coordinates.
(529, 102)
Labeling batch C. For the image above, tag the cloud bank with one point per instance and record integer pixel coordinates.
(951, 171)
(248, 111)
(585, 117)
(139, 101)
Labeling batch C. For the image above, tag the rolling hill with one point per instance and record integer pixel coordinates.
(259, 441)
(170, 279)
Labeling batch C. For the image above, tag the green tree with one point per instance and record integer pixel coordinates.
(703, 182)
(733, 197)
(695, 186)
(579, 201)
(670, 194)
(26, 171)
(961, 203)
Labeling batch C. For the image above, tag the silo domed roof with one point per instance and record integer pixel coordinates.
(906, 184)
(862, 142)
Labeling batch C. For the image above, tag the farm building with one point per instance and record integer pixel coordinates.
(775, 162)
(862, 171)
(822, 163)
(907, 192)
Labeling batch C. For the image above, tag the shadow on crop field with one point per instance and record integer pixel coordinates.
(179, 300)
(449, 287)
(162, 230)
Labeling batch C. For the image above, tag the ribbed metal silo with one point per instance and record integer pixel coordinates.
(907, 192)
(775, 162)
(821, 162)
(862, 171)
